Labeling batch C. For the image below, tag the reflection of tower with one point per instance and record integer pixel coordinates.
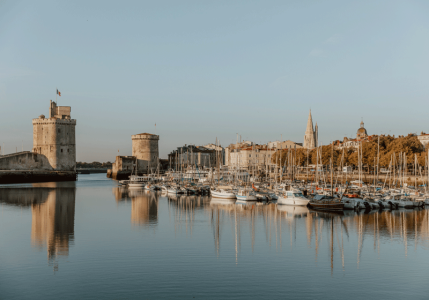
(53, 221)
(144, 208)
(120, 193)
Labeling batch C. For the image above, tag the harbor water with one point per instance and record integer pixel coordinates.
(92, 239)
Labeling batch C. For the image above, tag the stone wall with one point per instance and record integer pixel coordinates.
(122, 167)
(30, 176)
(25, 161)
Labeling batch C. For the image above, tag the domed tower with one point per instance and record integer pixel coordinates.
(145, 149)
(361, 133)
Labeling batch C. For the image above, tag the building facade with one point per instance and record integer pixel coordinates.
(256, 157)
(284, 145)
(424, 139)
(194, 156)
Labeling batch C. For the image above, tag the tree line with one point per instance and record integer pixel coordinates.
(94, 164)
(389, 150)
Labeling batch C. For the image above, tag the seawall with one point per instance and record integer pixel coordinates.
(31, 176)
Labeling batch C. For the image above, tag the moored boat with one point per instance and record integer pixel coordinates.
(292, 197)
(322, 202)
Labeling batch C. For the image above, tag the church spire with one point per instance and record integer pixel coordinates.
(309, 124)
(310, 136)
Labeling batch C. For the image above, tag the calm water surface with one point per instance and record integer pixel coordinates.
(91, 239)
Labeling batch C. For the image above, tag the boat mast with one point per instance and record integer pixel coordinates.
(332, 170)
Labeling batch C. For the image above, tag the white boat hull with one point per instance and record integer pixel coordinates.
(136, 185)
(246, 198)
(223, 195)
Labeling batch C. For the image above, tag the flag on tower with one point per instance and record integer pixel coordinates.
(58, 93)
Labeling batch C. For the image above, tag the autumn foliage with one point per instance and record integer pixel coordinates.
(389, 150)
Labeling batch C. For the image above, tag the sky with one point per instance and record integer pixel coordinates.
(202, 70)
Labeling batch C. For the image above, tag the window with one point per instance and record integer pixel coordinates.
(68, 150)
(59, 130)
(250, 155)
(61, 150)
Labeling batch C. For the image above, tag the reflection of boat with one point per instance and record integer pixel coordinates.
(218, 201)
(245, 202)
(173, 196)
(293, 210)
(323, 202)
(293, 197)
(327, 214)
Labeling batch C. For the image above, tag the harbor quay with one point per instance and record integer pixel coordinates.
(31, 176)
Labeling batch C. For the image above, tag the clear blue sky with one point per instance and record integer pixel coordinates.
(207, 69)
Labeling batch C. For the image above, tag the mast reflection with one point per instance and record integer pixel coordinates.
(332, 230)
(184, 208)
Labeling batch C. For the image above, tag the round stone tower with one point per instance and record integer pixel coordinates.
(145, 150)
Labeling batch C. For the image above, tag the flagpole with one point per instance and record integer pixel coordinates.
(56, 96)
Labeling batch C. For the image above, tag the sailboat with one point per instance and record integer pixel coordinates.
(246, 194)
(325, 202)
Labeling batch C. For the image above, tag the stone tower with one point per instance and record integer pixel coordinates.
(55, 137)
(311, 135)
(145, 149)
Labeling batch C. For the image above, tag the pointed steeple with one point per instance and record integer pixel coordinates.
(309, 137)
(309, 129)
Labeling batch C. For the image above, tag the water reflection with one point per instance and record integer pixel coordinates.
(279, 224)
(144, 205)
(184, 209)
(52, 211)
